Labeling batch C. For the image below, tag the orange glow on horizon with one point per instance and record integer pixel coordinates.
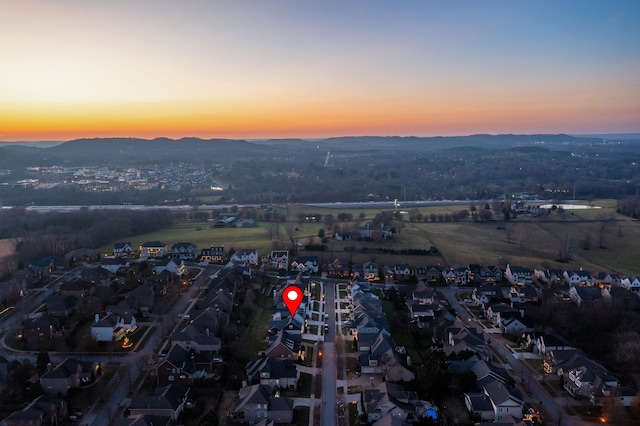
(288, 119)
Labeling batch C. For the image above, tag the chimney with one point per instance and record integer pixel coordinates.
(521, 313)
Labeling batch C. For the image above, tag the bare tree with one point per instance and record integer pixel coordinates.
(522, 233)
(605, 219)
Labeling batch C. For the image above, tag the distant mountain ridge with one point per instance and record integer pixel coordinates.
(129, 151)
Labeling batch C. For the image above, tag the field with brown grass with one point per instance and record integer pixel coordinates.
(7, 247)
(525, 241)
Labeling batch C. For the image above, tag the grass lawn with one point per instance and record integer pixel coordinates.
(463, 242)
(231, 238)
(304, 386)
(353, 365)
(402, 336)
(301, 415)
(353, 414)
(254, 341)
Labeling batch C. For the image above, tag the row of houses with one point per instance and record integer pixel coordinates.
(387, 401)
(582, 377)
(50, 408)
(275, 368)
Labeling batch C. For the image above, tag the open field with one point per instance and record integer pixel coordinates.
(204, 236)
(525, 241)
(6, 247)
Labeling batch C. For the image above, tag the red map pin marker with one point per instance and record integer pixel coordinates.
(292, 297)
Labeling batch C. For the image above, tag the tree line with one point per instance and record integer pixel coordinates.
(37, 235)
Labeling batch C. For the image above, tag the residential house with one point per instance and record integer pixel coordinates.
(81, 255)
(176, 267)
(339, 268)
(585, 295)
(97, 276)
(69, 374)
(122, 249)
(214, 254)
(549, 276)
(39, 328)
(559, 361)
(518, 275)
(61, 306)
(184, 251)
(632, 284)
(387, 359)
(42, 268)
(285, 345)
(370, 271)
(485, 276)
(465, 339)
(505, 401)
(182, 366)
(516, 324)
(605, 279)
(276, 373)
(401, 272)
(485, 293)
(487, 372)
(44, 410)
(305, 264)
(584, 378)
(257, 403)
(523, 294)
(166, 401)
(498, 310)
(497, 272)
(279, 259)
(578, 278)
(153, 249)
(371, 231)
(245, 257)
(77, 288)
(430, 274)
(192, 338)
(115, 265)
(550, 341)
(366, 337)
(479, 406)
(390, 399)
(112, 327)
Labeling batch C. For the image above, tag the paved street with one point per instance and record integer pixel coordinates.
(328, 417)
(538, 395)
(132, 365)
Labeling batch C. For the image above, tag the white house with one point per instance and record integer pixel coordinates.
(177, 267)
(112, 327)
(503, 400)
(245, 257)
(580, 277)
(122, 249)
(632, 284)
(518, 275)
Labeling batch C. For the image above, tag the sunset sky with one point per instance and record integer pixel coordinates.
(310, 69)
